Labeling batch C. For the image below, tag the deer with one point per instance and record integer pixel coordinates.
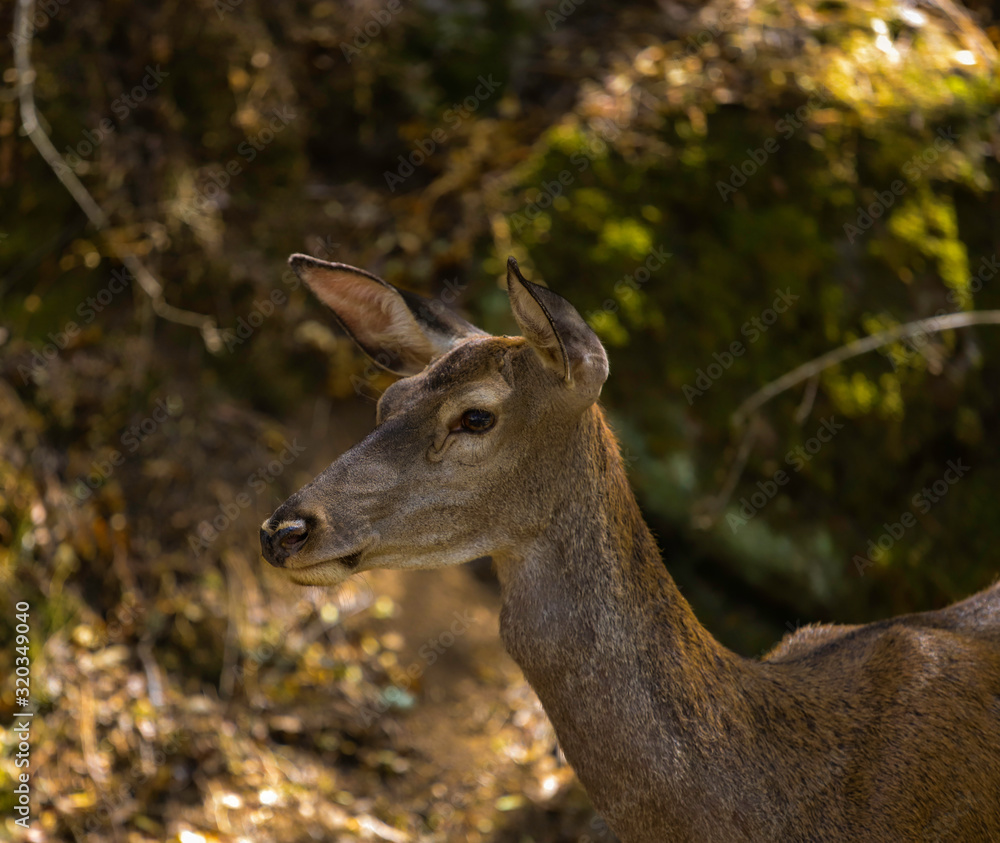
(497, 446)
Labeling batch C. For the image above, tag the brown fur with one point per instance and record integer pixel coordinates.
(884, 732)
(889, 731)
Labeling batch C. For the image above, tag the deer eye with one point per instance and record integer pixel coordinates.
(477, 421)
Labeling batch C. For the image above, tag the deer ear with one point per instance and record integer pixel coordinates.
(400, 331)
(558, 333)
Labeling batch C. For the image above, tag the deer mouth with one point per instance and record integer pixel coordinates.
(283, 543)
(325, 573)
(332, 571)
(349, 561)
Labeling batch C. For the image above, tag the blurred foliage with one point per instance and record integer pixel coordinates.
(845, 154)
(836, 162)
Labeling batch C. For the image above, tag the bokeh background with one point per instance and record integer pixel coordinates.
(725, 190)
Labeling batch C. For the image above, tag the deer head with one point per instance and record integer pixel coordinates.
(468, 456)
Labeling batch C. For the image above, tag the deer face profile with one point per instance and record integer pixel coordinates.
(444, 477)
(495, 446)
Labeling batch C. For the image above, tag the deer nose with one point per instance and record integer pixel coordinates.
(279, 540)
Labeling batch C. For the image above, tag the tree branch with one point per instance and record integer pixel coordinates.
(707, 511)
(933, 325)
(24, 31)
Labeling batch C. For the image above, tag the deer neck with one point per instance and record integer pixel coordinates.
(633, 684)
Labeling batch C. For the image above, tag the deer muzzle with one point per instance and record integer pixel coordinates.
(280, 540)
